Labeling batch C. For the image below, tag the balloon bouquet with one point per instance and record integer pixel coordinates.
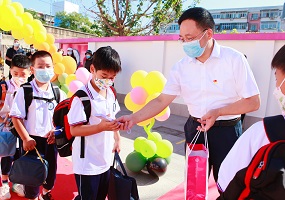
(152, 152)
(23, 26)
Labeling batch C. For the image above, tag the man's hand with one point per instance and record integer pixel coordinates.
(29, 144)
(126, 121)
(208, 120)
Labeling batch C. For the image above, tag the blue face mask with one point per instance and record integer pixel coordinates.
(193, 49)
(44, 75)
(88, 56)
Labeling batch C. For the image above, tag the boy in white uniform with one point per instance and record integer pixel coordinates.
(20, 71)
(92, 172)
(37, 129)
(255, 137)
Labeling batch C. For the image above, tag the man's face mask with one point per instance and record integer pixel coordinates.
(193, 48)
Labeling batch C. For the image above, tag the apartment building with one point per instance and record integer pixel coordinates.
(253, 19)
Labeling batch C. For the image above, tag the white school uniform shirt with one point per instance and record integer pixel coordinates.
(241, 153)
(39, 119)
(12, 88)
(98, 147)
(221, 80)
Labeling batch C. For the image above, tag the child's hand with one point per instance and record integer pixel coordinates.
(51, 137)
(117, 146)
(29, 144)
(109, 125)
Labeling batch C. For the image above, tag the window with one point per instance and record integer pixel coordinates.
(254, 16)
(268, 25)
(253, 27)
(231, 26)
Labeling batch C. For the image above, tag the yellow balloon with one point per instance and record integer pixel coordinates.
(7, 2)
(69, 78)
(69, 94)
(37, 25)
(50, 38)
(70, 64)
(40, 36)
(27, 30)
(59, 68)
(52, 48)
(1, 2)
(145, 123)
(29, 40)
(17, 23)
(27, 18)
(17, 34)
(137, 78)
(18, 7)
(44, 46)
(57, 57)
(130, 105)
(154, 82)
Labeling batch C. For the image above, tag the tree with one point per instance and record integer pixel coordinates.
(35, 15)
(76, 21)
(135, 17)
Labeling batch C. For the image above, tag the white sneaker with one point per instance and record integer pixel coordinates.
(18, 189)
(5, 192)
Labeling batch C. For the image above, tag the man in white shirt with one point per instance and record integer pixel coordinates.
(257, 135)
(216, 83)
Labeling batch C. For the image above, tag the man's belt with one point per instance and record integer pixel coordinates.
(230, 122)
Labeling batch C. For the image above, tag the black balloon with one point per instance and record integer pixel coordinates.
(157, 167)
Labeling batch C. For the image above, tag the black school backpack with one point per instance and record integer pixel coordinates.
(28, 96)
(264, 177)
(63, 137)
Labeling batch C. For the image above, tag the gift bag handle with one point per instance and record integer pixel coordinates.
(195, 138)
(118, 159)
(40, 157)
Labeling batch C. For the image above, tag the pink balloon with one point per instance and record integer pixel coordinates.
(163, 117)
(75, 85)
(138, 95)
(82, 74)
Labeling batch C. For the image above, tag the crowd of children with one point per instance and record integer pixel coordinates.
(35, 127)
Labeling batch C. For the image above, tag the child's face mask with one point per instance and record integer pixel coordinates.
(19, 80)
(280, 97)
(44, 75)
(103, 84)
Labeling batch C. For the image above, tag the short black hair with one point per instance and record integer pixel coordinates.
(107, 58)
(40, 54)
(278, 61)
(21, 61)
(201, 16)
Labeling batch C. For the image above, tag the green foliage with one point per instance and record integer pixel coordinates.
(77, 22)
(135, 17)
(35, 15)
(234, 31)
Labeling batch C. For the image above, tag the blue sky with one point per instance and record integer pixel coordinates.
(44, 5)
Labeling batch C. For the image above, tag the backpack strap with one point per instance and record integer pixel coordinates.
(4, 89)
(274, 127)
(56, 92)
(28, 96)
(114, 91)
(87, 109)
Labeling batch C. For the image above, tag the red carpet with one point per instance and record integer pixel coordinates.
(178, 192)
(65, 186)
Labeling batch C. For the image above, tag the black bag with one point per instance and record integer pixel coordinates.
(121, 186)
(29, 170)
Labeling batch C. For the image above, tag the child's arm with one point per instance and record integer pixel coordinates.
(117, 144)
(85, 130)
(28, 142)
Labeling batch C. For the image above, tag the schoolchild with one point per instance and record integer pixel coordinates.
(20, 71)
(253, 138)
(36, 129)
(101, 134)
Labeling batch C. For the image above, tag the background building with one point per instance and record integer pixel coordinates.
(253, 19)
(63, 6)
